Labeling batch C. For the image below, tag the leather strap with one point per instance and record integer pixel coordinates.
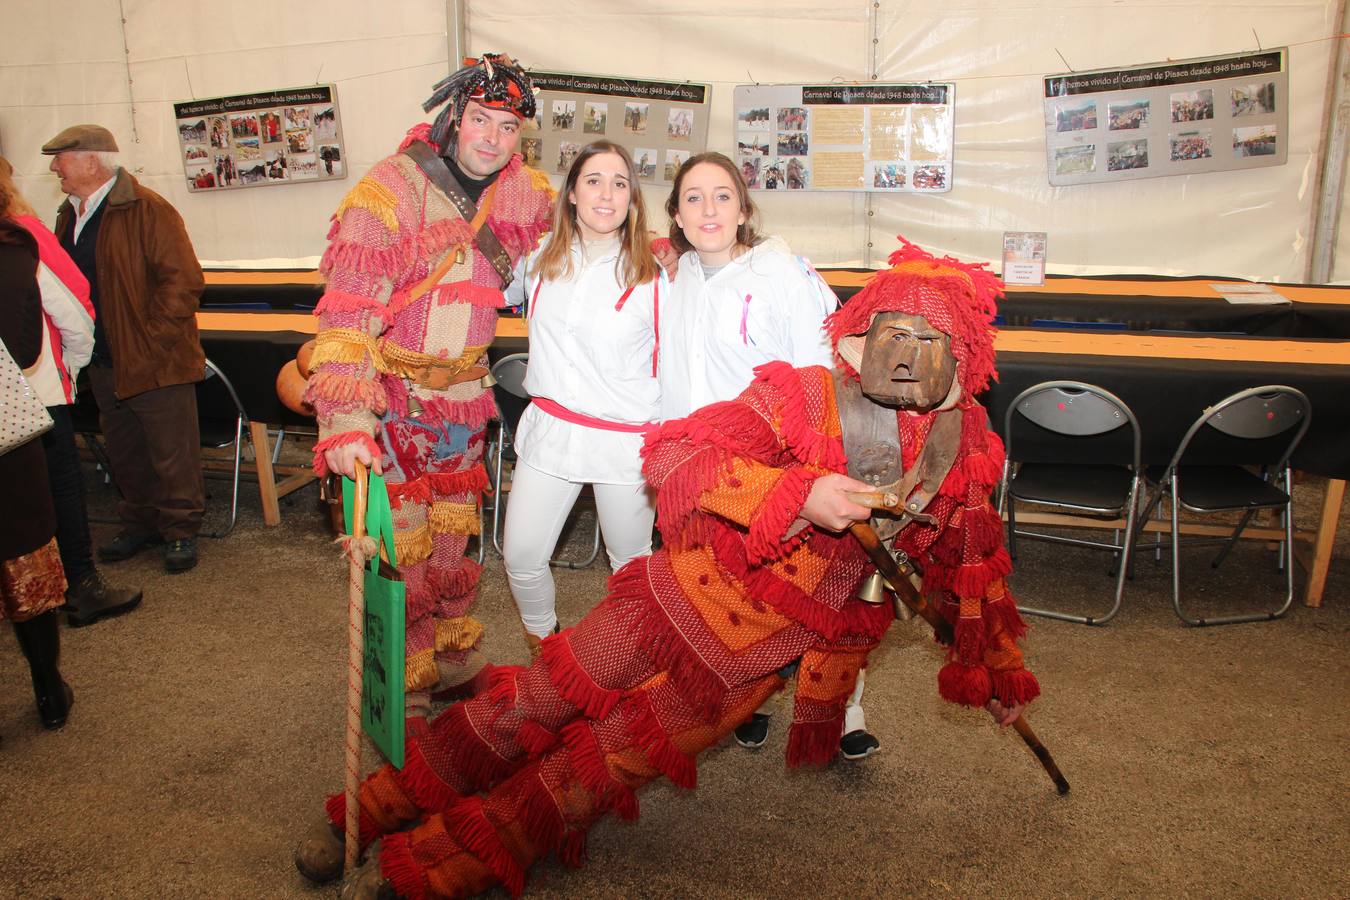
(434, 167)
(871, 443)
(438, 378)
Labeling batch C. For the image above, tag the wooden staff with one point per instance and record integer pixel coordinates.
(905, 592)
(356, 614)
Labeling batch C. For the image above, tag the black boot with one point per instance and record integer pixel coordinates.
(40, 639)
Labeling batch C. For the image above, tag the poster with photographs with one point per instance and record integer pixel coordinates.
(659, 123)
(272, 137)
(1178, 118)
(883, 138)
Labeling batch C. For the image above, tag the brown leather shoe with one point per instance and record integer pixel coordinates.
(321, 852)
(90, 598)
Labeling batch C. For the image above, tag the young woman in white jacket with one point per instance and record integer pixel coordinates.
(738, 301)
(592, 294)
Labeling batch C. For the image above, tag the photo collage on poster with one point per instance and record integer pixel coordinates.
(660, 124)
(884, 138)
(253, 140)
(1199, 115)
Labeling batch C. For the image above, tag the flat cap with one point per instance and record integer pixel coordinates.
(81, 137)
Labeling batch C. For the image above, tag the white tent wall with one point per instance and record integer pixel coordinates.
(67, 64)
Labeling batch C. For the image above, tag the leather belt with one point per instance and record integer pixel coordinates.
(439, 378)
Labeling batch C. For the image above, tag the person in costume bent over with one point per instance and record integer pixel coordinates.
(757, 570)
(419, 253)
(592, 293)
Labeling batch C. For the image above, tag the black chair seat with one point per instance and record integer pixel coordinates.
(1104, 489)
(1218, 488)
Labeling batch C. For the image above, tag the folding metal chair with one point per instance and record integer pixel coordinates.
(1252, 424)
(1071, 414)
(215, 394)
(512, 398)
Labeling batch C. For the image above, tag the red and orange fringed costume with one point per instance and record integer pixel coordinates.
(690, 640)
(408, 290)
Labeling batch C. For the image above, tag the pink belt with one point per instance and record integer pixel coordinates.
(558, 411)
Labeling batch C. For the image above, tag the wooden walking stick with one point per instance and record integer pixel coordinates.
(906, 593)
(356, 613)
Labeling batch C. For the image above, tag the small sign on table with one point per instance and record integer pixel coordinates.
(1024, 257)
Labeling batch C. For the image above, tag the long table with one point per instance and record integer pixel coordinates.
(1157, 303)
(1139, 303)
(1166, 379)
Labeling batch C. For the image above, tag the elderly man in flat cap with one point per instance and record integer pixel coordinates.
(145, 283)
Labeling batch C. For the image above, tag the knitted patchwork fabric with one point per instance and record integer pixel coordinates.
(435, 477)
(407, 287)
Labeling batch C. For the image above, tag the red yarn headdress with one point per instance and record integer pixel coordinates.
(959, 299)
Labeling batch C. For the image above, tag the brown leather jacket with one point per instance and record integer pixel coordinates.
(149, 284)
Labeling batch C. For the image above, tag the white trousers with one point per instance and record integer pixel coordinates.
(535, 515)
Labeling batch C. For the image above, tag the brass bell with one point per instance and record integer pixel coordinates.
(487, 381)
(415, 410)
(871, 590)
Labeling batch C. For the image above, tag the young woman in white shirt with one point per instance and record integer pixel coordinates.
(592, 294)
(738, 301)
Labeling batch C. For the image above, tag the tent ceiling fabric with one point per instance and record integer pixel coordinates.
(67, 65)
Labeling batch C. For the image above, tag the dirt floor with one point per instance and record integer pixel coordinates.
(1205, 762)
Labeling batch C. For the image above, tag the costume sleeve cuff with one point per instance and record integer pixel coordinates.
(332, 442)
(772, 534)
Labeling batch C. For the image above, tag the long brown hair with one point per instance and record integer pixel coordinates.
(747, 233)
(12, 202)
(635, 265)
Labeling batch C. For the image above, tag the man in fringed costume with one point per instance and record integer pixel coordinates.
(420, 251)
(757, 572)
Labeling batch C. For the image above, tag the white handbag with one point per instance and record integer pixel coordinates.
(22, 415)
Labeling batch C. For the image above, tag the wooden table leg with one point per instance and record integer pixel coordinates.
(267, 481)
(1326, 537)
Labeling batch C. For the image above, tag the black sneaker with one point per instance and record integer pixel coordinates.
(753, 732)
(90, 599)
(126, 545)
(858, 744)
(180, 555)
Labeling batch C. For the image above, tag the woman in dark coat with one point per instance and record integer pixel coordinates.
(32, 582)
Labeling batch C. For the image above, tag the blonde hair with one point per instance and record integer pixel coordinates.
(635, 265)
(12, 203)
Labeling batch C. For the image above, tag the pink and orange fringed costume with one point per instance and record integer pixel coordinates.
(407, 292)
(691, 639)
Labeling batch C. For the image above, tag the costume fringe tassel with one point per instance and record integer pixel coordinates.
(806, 443)
(813, 743)
(572, 848)
(767, 539)
(374, 198)
(535, 739)
(470, 826)
(651, 738)
(399, 868)
(335, 302)
(1016, 686)
(966, 685)
(574, 684)
(588, 764)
